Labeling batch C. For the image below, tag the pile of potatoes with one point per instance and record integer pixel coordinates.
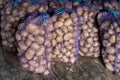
(11, 17)
(34, 44)
(110, 38)
(65, 37)
(89, 38)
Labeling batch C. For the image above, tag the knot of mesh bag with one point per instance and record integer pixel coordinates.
(62, 10)
(78, 0)
(33, 0)
(15, 3)
(44, 16)
(110, 10)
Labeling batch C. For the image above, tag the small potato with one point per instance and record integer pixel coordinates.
(80, 11)
(54, 18)
(67, 36)
(10, 19)
(31, 37)
(110, 50)
(95, 44)
(43, 62)
(105, 24)
(56, 52)
(24, 33)
(31, 28)
(85, 15)
(65, 15)
(23, 60)
(59, 38)
(40, 69)
(54, 42)
(46, 72)
(4, 43)
(111, 57)
(68, 22)
(25, 65)
(18, 36)
(33, 63)
(106, 43)
(109, 66)
(31, 8)
(59, 32)
(47, 43)
(72, 41)
(84, 26)
(31, 68)
(22, 46)
(28, 42)
(29, 54)
(70, 28)
(111, 31)
(35, 46)
(58, 24)
(90, 40)
(112, 39)
(39, 39)
(40, 51)
(85, 50)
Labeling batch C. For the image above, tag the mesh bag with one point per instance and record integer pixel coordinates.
(34, 37)
(109, 26)
(11, 17)
(65, 36)
(88, 39)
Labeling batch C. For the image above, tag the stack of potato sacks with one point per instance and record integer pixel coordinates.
(109, 25)
(12, 14)
(72, 28)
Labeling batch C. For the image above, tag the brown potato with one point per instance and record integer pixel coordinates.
(40, 69)
(54, 42)
(58, 24)
(68, 22)
(33, 63)
(10, 19)
(22, 46)
(112, 39)
(110, 50)
(59, 38)
(59, 32)
(35, 46)
(39, 39)
(40, 51)
(111, 57)
(90, 40)
(109, 66)
(80, 11)
(31, 28)
(68, 36)
(84, 26)
(29, 54)
(105, 24)
(65, 15)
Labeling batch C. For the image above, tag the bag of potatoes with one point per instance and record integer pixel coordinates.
(88, 39)
(65, 36)
(109, 25)
(34, 38)
(11, 17)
